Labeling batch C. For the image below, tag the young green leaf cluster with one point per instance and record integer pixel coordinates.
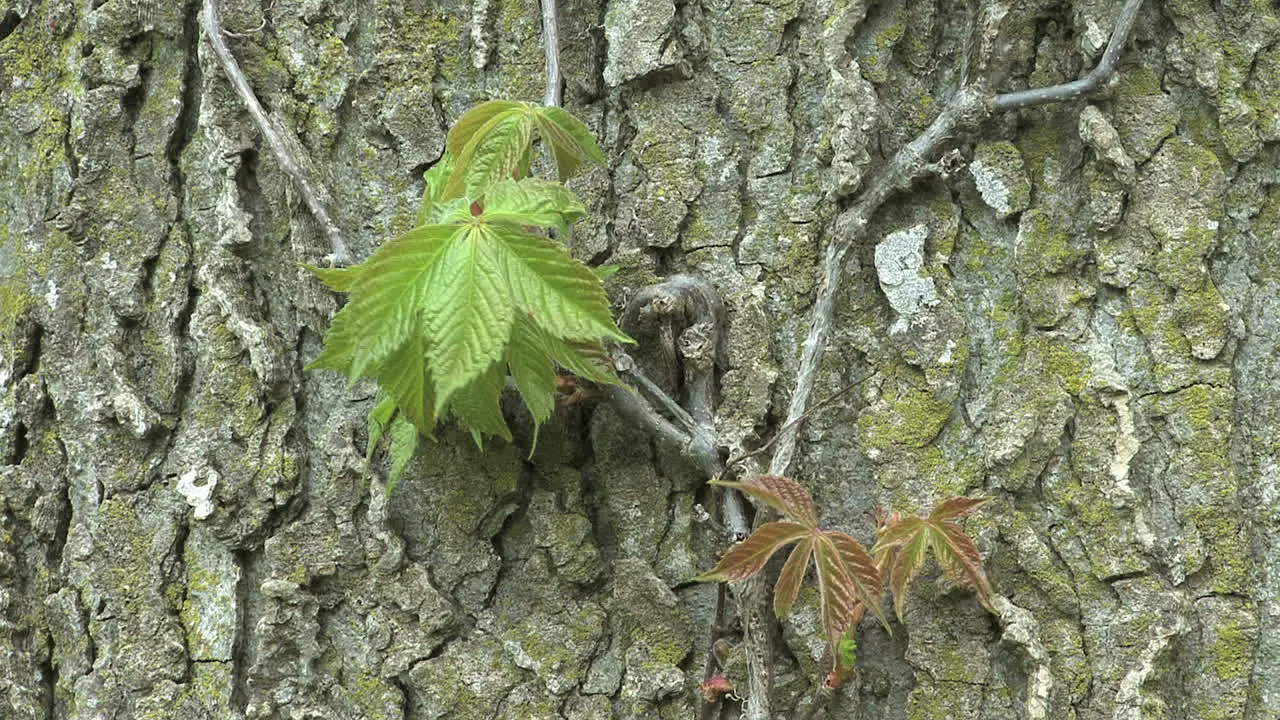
(850, 579)
(442, 315)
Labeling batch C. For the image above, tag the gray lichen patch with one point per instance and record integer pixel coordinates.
(657, 632)
(1142, 113)
(556, 647)
(998, 173)
(900, 267)
(1099, 134)
(638, 33)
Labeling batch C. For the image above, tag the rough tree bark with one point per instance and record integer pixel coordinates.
(1080, 323)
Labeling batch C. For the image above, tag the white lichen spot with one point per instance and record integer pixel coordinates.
(1126, 445)
(946, 356)
(51, 296)
(1129, 696)
(900, 267)
(1021, 628)
(479, 34)
(1098, 133)
(199, 496)
(1094, 38)
(133, 413)
(994, 192)
(108, 263)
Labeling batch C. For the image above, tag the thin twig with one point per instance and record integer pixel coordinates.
(827, 401)
(635, 408)
(627, 367)
(551, 42)
(818, 701)
(693, 304)
(967, 108)
(309, 190)
(711, 707)
(1093, 81)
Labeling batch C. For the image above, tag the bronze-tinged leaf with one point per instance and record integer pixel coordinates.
(907, 559)
(715, 686)
(837, 593)
(749, 556)
(959, 556)
(792, 575)
(903, 544)
(862, 571)
(782, 494)
(956, 508)
(899, 531)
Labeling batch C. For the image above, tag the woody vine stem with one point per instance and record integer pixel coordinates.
(693, 304)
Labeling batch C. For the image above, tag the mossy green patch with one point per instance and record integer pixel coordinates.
(1044, 246)
(907, 415)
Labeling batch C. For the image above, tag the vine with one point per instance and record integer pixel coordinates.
(440, 316)
(480, 290)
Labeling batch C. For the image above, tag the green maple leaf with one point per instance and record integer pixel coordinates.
(558, 293)
(492, 142)
(440, 315)
(385, 304)
(469, 312)
(570, 142)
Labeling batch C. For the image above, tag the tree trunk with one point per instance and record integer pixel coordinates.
(1080, 321)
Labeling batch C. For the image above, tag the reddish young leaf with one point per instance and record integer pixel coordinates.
(788, 586)
(782, 494)
(900, 531)
(837, 593)
(900, 563)
(904, 542)
(956, 508)
(749, 556)
(862, 572)
(715, 686)
(960, 558)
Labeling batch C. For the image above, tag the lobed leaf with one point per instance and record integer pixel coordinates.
(494, 152)
(960, 558)
(474, 119)
(901, 563)
(434, 181)
(569, 139)
(532, 370)
(438, 316)
(748, 557)
(837, 593)
(956, 508)
(339, 279)
(788, 586)
(863, 573)
(386, 302)
(404, 441)
(405, 377)
(904, 542)
(587, 360)
(532, 202)
(379, 418)
(560, 294)
(782, 494)
(470, 314)
(478, 405)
